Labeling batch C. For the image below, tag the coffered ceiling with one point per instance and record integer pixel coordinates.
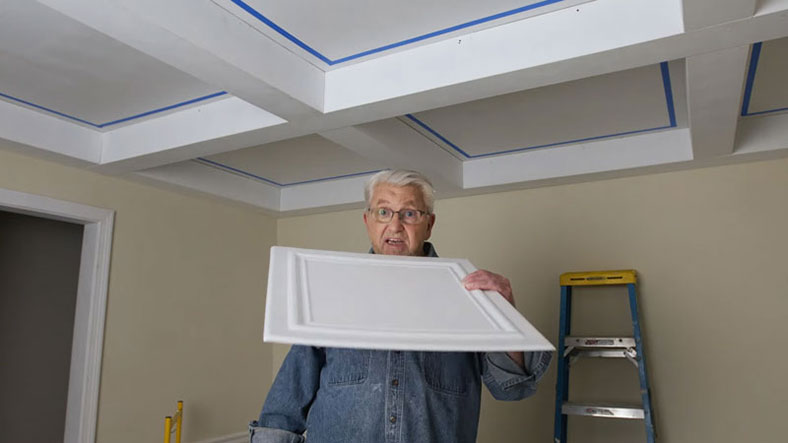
(290, 106)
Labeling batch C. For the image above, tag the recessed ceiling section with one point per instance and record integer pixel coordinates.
(334, 32)
(765, 89)
(613, 105)
(300, 160)
(56, 65)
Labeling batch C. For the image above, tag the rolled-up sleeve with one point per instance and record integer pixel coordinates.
(506, 380)
(283, 418)
(260, 434)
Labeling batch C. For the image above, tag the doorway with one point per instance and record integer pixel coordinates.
(65, 293)
(39, 273)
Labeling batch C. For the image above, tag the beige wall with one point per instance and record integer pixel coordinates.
(710, 247)
(188, 275)
(185, 304)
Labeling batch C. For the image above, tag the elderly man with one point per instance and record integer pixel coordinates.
(370, 396)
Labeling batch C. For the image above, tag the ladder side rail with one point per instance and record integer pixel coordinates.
(644, 387)
(562, 383)
(167, 428)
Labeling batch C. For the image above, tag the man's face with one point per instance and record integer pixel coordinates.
(395, 237)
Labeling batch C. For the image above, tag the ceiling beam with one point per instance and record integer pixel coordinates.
(715, 82)
(703, 13)
(583, 158)
(49, 134)
(242, 62)
(396, 145)
(339, 192)
(181, 135)
(605, 36)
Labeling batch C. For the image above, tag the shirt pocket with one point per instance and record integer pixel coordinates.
(448, 372)
(346, 366)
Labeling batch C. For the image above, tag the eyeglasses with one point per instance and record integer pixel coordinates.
(406, 216)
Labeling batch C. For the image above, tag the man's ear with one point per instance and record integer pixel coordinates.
(430, 224)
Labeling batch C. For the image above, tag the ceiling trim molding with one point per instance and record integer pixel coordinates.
(205, 129)
(28, 127)
(341, 192)
(117, 121)
(767, 133)
(644, 150)
(666, 84)
(331, 62)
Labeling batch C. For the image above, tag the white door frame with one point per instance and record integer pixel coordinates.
(87, 345)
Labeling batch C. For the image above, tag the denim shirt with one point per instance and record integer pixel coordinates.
(368, 396)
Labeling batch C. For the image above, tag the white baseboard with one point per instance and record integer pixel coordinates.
(240, 437)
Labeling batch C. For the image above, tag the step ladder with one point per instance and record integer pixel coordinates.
(571, 348)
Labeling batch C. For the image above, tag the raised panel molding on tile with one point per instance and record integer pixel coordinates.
(340, 299)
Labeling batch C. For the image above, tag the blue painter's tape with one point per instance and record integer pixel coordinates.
(768, 111)
(239, 171)
(166, 108)
(579, 140)
(269, 181)
(51, 111)
(301, 44)
(114, 122)
(268, 22)
(668, 100)
(436, 134)
(755, 55)
(447, 30)
(668, 93)
(355, 174)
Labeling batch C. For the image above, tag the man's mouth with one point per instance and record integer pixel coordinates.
(394, 241)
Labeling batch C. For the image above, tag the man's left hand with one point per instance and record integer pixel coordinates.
(490, 281)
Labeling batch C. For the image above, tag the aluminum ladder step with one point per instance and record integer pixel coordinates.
(604, 410)
(604, 347)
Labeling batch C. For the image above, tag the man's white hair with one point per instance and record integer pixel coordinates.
(402, 177)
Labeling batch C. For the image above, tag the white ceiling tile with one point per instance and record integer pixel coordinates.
(615, 104)
(294, 161)
(328, 298)
(336, 31)
(768, 76)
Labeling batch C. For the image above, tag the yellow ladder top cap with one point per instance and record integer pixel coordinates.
(594, 278)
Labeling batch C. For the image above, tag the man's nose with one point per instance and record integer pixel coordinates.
(396, 222)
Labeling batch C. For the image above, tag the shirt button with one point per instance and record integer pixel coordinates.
(393, 419)
(395, 382)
